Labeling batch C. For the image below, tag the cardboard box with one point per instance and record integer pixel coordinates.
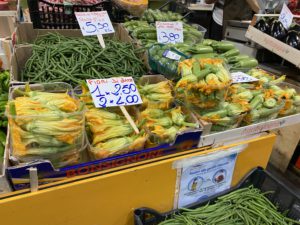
(126, 37)
(25, 35)
(7, 23)
(278, 47)
(19, 175)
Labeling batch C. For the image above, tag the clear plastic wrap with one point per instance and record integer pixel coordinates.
(161, 63)
(46, 123)
(204, 87)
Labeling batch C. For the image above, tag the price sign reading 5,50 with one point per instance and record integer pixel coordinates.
(169, 32)
(94, 23)
(120, 91)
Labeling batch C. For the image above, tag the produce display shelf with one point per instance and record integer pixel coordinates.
(236, 133)
(278, 47)
(85, 200)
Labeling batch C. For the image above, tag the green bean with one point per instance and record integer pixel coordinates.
(247, 206)
(55, 57)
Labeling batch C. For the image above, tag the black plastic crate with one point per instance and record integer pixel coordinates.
(46, 15)
(281, 195)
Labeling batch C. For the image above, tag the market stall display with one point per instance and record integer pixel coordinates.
(193, 109)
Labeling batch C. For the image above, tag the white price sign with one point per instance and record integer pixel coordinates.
(286, 16)
(171, 55)
(169, 32)
(94, 23)
(118, 91)
(240, 77)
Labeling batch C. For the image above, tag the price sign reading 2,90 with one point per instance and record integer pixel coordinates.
(119, 91)
(94, 23)
(169, 32)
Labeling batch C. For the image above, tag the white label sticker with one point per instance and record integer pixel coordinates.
(94, 23)
(118, 91)
(171, 55)
(240, 77)
(286, 16)
(202, 180)
(169, 32)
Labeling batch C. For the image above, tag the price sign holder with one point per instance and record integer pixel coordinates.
(169, 32)
(117, 91)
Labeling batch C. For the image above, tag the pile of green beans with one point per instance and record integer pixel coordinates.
(56, 58)
(246, 206)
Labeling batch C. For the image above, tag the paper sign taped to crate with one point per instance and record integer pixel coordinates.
(240, 77)
(202, 180)
(94, 23)
(169, 32)
(286, 16)
(171, 55)
(116, 91)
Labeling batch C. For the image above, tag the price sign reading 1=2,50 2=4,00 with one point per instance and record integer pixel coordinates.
(118, 91)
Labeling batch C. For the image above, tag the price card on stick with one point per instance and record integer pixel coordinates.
(117, 91)
(95, 23)
(169, 32)
(286, 16)
(240, 77)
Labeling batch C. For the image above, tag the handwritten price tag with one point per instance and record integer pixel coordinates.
(94, 23)
(118, 91)
(286, 16)
(169, 32)
(240, 77)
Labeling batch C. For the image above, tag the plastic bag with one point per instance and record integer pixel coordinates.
(161, 63)
(134, 7)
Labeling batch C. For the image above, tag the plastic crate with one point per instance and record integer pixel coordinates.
(259, 178)
(176, 6)
(46, 15)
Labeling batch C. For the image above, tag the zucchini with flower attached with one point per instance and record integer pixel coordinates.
(227, 116)
(45, 126)
(265, 78)
(165, 124)
(157, 95)
(204, 82)
(105, 139)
